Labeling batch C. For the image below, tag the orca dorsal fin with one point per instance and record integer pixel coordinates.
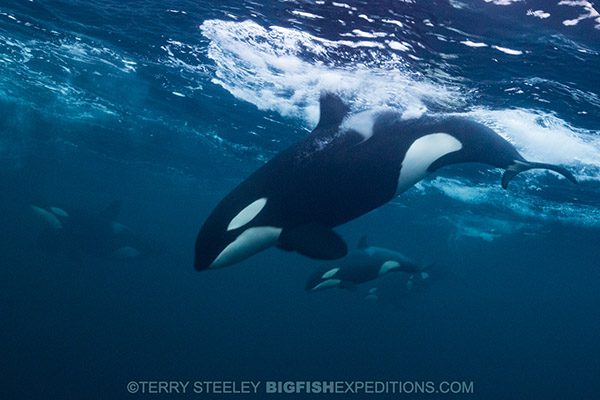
(112, 211)
(363, 243)
(333, 110)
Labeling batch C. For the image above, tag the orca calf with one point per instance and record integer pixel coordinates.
(364, 264)
(93, 233)
(348, 166)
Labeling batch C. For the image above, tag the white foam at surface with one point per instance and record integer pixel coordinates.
(473, 44)
(543, 137)
(399, 46)
(459, 5)
(370, 35)
(271, 68)
(534, 209)
(508, 51)
(503, 2)
(393, 22)
(306, 15)
(541, 14)
(71, 56)
(286, 70)
(175, 49)
(343, 5)
(361, 43)
(592, 13)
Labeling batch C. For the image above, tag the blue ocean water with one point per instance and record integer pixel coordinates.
(167, 105)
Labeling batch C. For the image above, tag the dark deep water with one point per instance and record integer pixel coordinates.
(167, 105)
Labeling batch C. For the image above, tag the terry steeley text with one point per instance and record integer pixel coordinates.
(294, 387)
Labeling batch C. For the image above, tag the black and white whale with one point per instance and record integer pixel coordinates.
(78, 233)
(365, 263)
(348, 166)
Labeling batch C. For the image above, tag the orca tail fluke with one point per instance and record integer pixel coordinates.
(519, 166)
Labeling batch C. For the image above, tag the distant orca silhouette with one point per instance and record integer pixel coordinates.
(93, 233)
(365, 263)
(348, 166)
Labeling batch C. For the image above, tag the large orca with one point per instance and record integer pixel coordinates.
(348, 166)
(79, 232)
(364, 264)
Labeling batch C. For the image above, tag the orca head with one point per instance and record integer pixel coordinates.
(233, 233)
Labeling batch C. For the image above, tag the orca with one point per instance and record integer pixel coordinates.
(78, 232)
(348, 166)
(364, 264)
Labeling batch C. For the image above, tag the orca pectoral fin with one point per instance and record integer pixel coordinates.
(314, 241)
(519, 166)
